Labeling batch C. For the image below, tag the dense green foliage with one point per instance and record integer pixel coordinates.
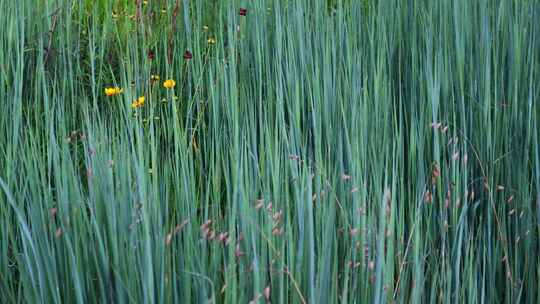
(312, 151)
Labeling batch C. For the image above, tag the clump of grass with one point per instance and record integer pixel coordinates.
(285, 151)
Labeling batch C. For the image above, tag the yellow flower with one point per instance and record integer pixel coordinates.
(169, 84)
(211, 40)
(138, 103)
(113, 91)
(109, 91)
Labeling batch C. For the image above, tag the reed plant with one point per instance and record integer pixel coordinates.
(307, 151)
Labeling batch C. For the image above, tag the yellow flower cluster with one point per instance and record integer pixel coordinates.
(138, 103)
(113, 91)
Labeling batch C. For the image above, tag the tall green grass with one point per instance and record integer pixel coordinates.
(319, 152)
